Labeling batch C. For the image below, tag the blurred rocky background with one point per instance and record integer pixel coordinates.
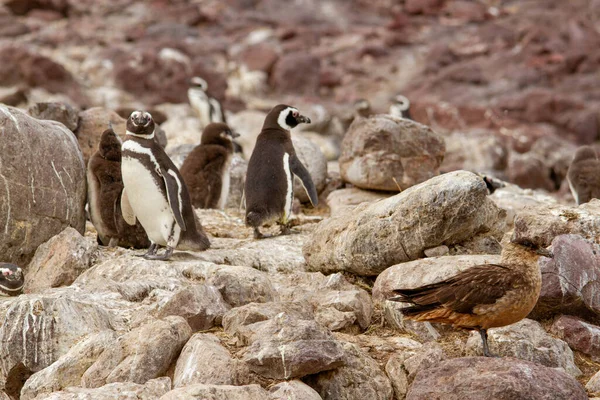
(501, 90)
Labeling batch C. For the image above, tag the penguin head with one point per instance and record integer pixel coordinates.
(110, 145)
(199, 83)
(218, 133)
(361, 105)
(141, 124)
(400, 102)
(585, 153)
(11, 279)
(284, 117)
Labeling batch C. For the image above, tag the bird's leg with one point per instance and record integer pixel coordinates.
(285, 229)
(165, 256)
(259, 235)
(151, 250)
(486, 349)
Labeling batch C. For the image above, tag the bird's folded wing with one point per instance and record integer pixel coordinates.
(126, 210)
(174, 195)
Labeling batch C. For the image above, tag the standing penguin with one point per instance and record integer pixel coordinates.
(208, 108)
(584, 175)
(154, 192)
(105, 186)
(400, 107)
(206, 169)
(269, 189)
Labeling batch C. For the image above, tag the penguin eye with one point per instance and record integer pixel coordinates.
(295, 114)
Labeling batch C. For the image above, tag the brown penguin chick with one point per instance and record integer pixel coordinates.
(584, 175)
(104, 186)
(484, 296)
(269, 188)
(206, 169)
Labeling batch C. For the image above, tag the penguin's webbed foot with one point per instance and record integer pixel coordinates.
(259, 235)
(285, 229)
(151, 251)
(165, 256)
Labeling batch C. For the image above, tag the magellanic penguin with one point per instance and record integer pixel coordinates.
(105, 186)
(155, 194)
(484, 296)
(269, 189)
(584, 175)
(206, 169)
(208, 108)
(400, 107)
(11, 279)
(362, 108)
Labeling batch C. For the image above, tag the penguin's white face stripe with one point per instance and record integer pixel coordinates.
(6, 271)
(199, 83)
(282, 116)
(179, 196)
(573, 191)
(142, 136)
(135, 147)
(290, 188)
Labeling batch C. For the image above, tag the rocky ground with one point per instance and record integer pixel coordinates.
(499, 89)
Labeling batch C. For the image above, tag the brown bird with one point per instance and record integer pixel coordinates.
(584, 175)
(206, 169)
(484, 296)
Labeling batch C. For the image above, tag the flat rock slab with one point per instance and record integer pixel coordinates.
(580, 335)
(217, 392)
(399, 229)
(485, 378)
(150, 390)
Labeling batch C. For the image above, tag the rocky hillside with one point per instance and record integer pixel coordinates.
(502, 93)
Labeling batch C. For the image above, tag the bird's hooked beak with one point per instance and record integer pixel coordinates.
(302, 119)
(545, 252)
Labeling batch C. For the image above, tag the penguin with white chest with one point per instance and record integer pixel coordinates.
(269, 189)
(206, 169)
(155, 194)
(208, 108)
(400, 107)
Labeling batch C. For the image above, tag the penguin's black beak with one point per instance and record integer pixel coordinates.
(545, 252)
(302, 119)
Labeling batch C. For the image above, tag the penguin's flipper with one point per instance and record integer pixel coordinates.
(174, 189)
(301, 172)
(126, 210)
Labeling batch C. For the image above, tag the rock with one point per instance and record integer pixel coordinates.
(400, 228)
(204, 360)
(475, 151)
(70, 367)
(529, 171)
(285, 347)
(296, 72)
(344, 200)
(259, 57)
(380, 149)
(243, 321)
(485, 378)
(296, 390)
(217, 392)
(60, 112)
(580, 335)
(150, 390)
(25, 67)
(438, 251)
(398, 376)
(571, 280)
(360, 378)
(427, 7)
(423, 359)
(42, 195)
(13, 96)
(142, 354)
(59, 261)
(526, 340)
(354, 305)
(237, 180)
(179, 153)
(593, 385)
(248, 124)
(315, 162)
(94, 121)
(201, 305)
(39, 329)
(543, 224)
(513, 200)
(329, 146)
(182, 125)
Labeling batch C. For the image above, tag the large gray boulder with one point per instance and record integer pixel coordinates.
(315, 162)
(447, 209)
(42, 183)
(383, 152)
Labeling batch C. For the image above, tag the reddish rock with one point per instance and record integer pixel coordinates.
(529, 171)
(580, 335)
(487, 378)
(427, 7)
(21, 66)
(467, 11)
(22, 7)
(10, 27)
(60, 112)
(259, 57)
(297, 73)
(571, 280)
